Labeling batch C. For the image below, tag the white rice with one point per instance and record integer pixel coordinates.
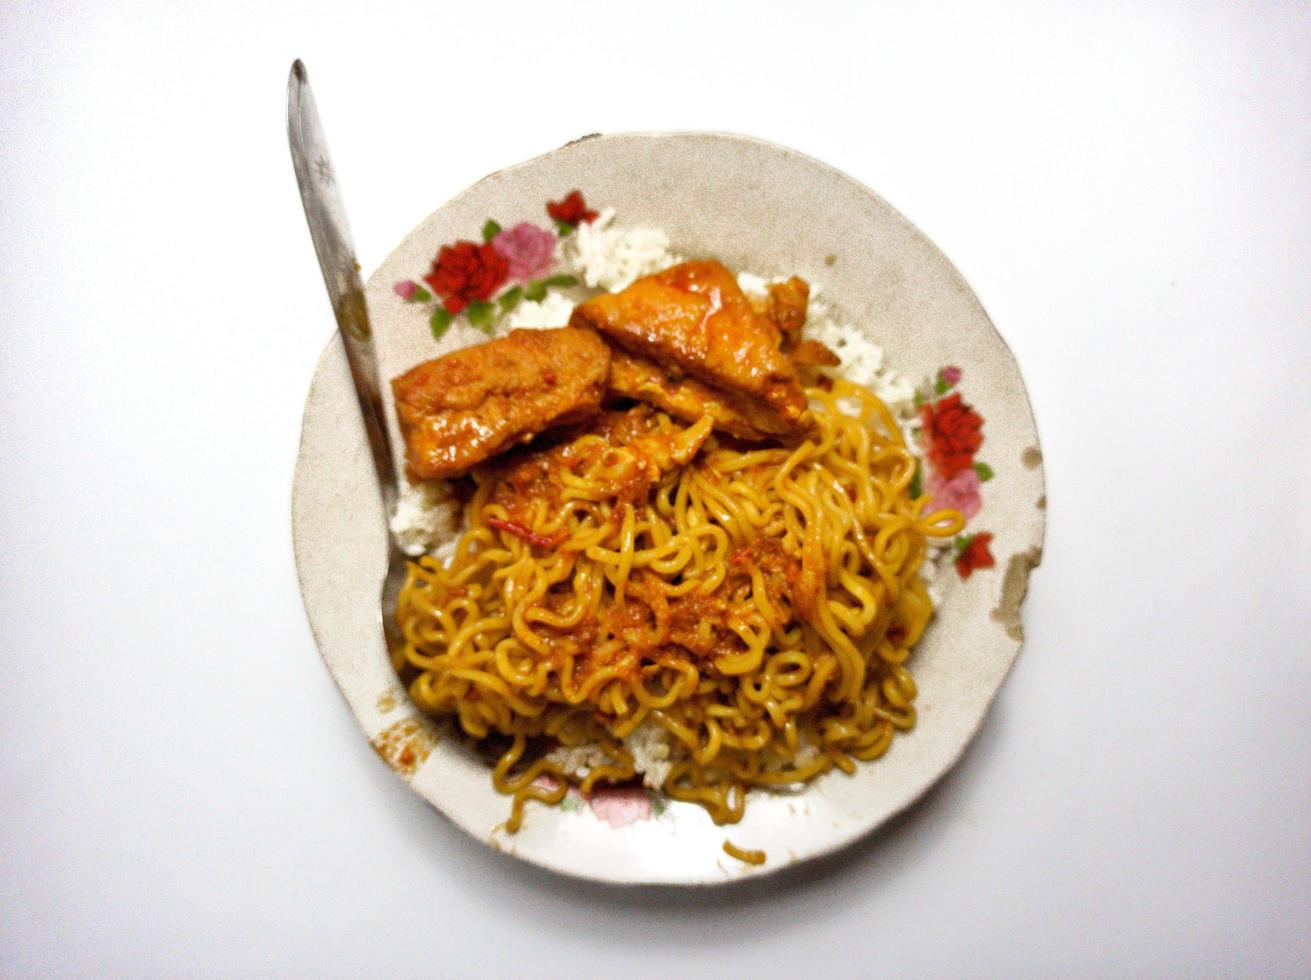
(862, 360)
(552, 311)
(608, 257)
(651, 747)
(754, 285)
(578, 760)
(422, 513)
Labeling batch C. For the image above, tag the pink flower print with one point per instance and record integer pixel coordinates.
(529, 250)
(951, 375)
(621, 805)
(405, 289)
(961, 493)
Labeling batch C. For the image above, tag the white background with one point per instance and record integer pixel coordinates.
(1128, 189)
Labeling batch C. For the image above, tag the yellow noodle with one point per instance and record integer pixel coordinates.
(742, 854)
(758, 606)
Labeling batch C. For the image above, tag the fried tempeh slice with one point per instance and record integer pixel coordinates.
(461, 409)
(785, 306)
(526, 478)
(808, 356)
(811, 353)
(690, 400)
(693, 319)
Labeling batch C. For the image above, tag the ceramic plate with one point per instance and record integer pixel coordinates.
(773, 211)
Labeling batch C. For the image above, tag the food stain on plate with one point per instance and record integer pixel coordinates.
(406, 744)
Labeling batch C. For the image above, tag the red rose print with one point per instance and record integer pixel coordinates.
(465, 272)
(951, 434)
(975, 555)
(572, 210)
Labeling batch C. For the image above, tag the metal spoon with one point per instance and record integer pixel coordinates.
(326, 215)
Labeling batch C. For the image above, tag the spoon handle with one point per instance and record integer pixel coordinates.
(326, 215)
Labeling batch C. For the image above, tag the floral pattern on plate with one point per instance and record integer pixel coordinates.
(618, 806)
(483, 281)
(950, 436)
